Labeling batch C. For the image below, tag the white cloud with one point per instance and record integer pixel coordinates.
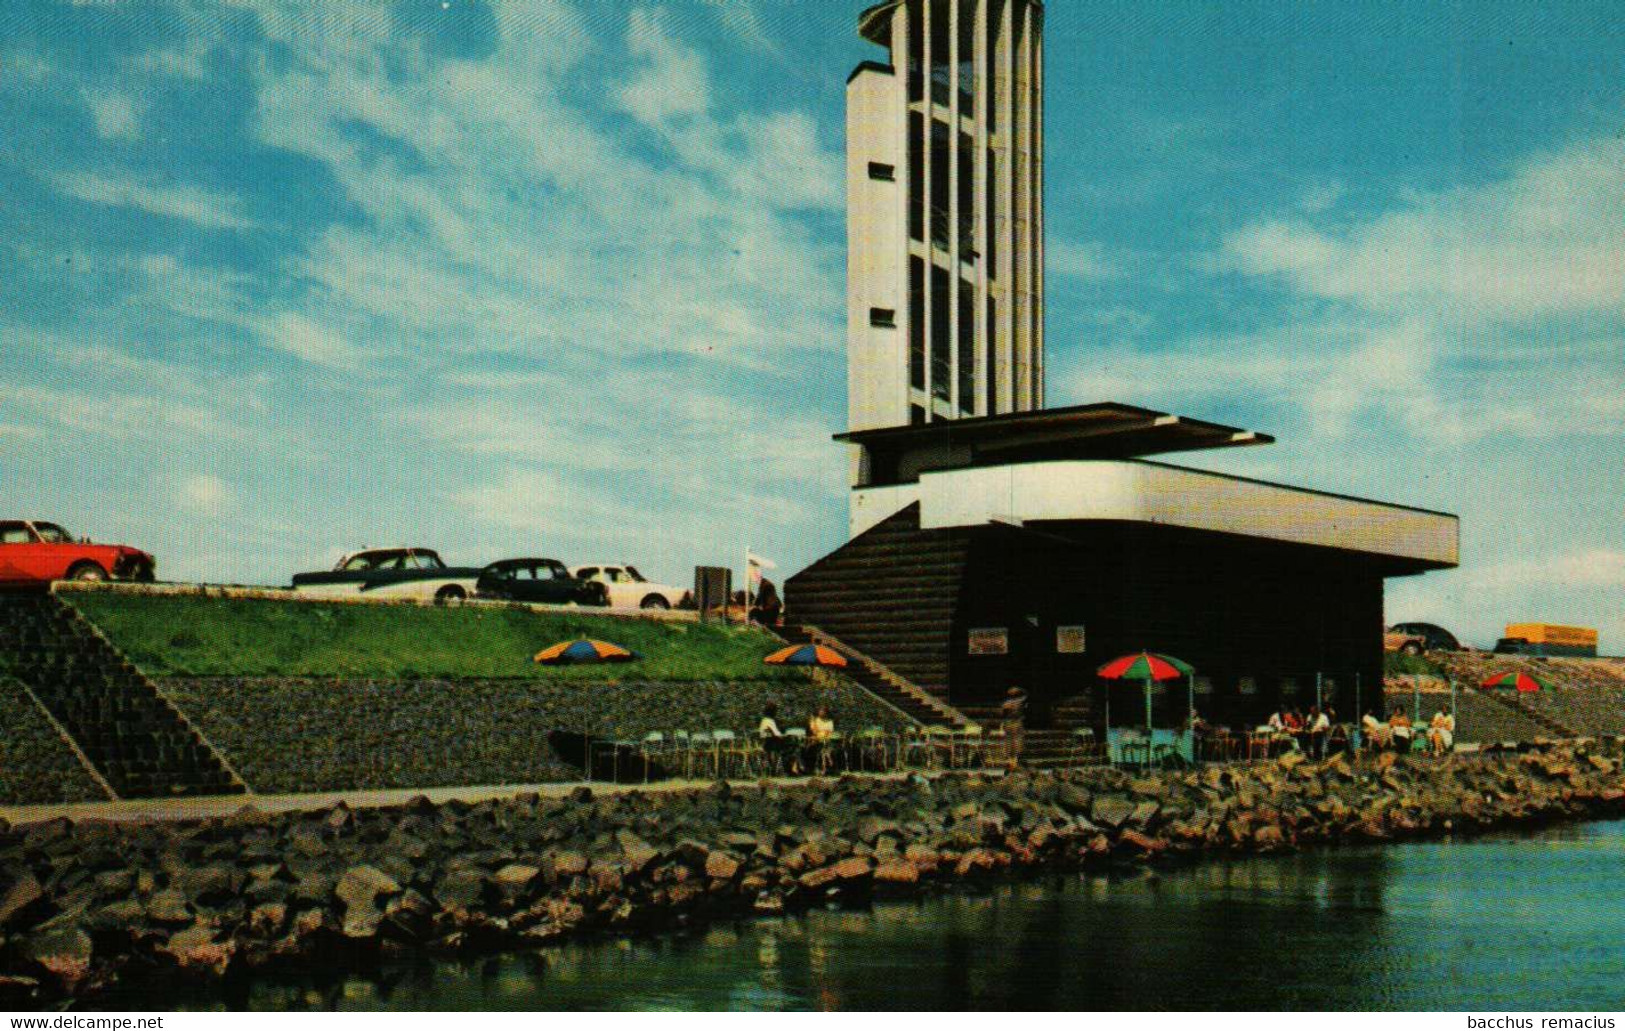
(200, 207)
(672, 82)
(1594, 567)
(114, 113)
(1546, 239)
(1085, 261)
(206, 495)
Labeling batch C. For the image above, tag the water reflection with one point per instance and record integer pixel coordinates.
(1527, 923)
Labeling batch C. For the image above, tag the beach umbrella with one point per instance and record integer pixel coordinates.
(584, 650)
(1145, 666)
(806, 655)
(1513, 678)
(1149, 667)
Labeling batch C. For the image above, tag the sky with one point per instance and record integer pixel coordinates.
(567, 278)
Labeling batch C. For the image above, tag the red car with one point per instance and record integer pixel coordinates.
(37, 553)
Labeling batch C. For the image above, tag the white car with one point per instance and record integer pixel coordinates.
(392, 573)
(628, 589)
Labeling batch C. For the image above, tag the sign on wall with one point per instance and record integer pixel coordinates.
(989, 640)
(1069, 640)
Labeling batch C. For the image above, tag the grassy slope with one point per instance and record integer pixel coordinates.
(185, 636)
(1400, 664)
(36, 767)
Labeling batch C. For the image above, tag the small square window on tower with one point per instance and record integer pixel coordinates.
(882, 171)
(883, 318)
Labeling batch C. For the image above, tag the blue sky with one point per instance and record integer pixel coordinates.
(566, 278)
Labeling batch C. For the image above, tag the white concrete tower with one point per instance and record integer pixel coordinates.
(945, 213)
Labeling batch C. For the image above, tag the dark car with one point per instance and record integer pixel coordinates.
(392, 573)
(541, 580)
(1434, 638)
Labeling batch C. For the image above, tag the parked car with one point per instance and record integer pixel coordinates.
(628, 588)
(542, 580)
(1434, 638)
(1397, 641)
(37, 553)
(393, 573)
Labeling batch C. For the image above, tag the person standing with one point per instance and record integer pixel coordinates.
(1013, 718)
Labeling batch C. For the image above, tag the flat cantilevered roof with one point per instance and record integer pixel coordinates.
(1103, 430)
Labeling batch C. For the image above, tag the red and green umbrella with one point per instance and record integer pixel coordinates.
(1146, 666)
(1514, 678)
(584, 650)
(806, 655)
(1149, 667)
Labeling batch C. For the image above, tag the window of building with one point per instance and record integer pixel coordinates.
(942, 316)
(967, 348)
(916, 415)
(916, 323)
(882, 171)
(883, 318)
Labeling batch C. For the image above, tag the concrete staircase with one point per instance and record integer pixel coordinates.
(139, 744)
(1546, 721)
(885, 684)
(1045, 747)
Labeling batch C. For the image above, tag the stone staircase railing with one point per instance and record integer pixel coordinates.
(874, 677)
(138, 743)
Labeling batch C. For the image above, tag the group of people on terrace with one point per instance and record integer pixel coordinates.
(1400, 734)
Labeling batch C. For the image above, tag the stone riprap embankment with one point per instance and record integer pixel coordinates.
(287, 735)
(84, 905)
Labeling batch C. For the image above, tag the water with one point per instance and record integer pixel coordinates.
(1522, 923)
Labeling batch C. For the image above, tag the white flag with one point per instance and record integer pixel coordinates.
(754, 564)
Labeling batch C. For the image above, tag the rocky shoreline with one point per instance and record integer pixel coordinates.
(90, 906)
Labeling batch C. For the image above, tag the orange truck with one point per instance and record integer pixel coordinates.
(1548, 639)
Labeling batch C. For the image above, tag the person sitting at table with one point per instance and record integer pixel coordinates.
(1378, 735)
(1442, 732)
(1399, 725)
(820, 728)
(1313, 738)
(774, 743)
(1337, 739)
(1276, 723)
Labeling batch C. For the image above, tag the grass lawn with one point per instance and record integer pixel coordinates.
(194, 636)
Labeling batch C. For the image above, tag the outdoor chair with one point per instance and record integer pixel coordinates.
(870, 750)
(727, 750)
(1133, 748)
(1085, 749)
(1260, 743)
(680, 752)
(967, 747)
(939, 747)
(651, 749)
(826, 753)
(914, 748)
(792, 752)
(702, 754)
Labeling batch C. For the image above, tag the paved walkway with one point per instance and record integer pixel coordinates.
(225, 805)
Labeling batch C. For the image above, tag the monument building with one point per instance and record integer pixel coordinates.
(996, 543)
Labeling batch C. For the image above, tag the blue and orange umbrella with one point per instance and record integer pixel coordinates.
(582, 651)
(806, 655)
(1513, 678)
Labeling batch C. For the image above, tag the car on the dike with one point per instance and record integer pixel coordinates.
(630, 589)
(402, 573)
(34, 552)
(543, 581)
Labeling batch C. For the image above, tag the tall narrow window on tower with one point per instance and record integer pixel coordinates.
(953, 245)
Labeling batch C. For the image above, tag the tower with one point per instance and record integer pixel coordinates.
(945, 280)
